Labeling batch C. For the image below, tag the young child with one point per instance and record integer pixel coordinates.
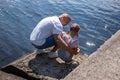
(71, 38)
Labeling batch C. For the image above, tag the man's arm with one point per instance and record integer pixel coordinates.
(62, 44)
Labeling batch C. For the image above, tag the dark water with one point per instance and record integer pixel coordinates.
(99, 20)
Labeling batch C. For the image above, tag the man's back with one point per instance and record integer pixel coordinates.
(45, 28)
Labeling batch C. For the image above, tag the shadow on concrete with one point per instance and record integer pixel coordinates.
(15, 71)
(45, 66)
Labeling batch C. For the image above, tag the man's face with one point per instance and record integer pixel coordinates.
(65, 21)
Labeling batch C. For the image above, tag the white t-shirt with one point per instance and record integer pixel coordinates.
(45, 28)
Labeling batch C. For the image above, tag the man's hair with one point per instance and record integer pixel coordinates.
(65, 15)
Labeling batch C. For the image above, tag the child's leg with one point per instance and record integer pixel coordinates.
(67, 54)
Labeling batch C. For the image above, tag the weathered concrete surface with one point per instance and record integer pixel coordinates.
(104, 64)
(37, 67)
(6, 76)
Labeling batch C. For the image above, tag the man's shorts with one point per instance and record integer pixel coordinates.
(50, 41)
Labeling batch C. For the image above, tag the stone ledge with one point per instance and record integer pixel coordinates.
(101, 65)
(36, 67)
(104, 64)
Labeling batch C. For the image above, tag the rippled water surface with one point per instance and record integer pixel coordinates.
(99, 20)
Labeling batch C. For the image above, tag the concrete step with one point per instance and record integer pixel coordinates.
(103, 64)
(35, 67)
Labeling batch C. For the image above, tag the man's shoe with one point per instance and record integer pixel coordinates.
(40, 51)
(53, 54)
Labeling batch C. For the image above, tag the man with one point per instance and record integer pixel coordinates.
(47, 33)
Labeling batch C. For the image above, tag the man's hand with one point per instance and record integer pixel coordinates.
(74, 50)
(62, 44)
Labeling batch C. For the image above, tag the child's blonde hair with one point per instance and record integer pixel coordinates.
(75, 27)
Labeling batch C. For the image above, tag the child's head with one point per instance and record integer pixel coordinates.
(75, 28)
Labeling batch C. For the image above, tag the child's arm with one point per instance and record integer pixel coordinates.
(74, 45)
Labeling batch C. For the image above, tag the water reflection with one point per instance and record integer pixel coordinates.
(90, 44)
